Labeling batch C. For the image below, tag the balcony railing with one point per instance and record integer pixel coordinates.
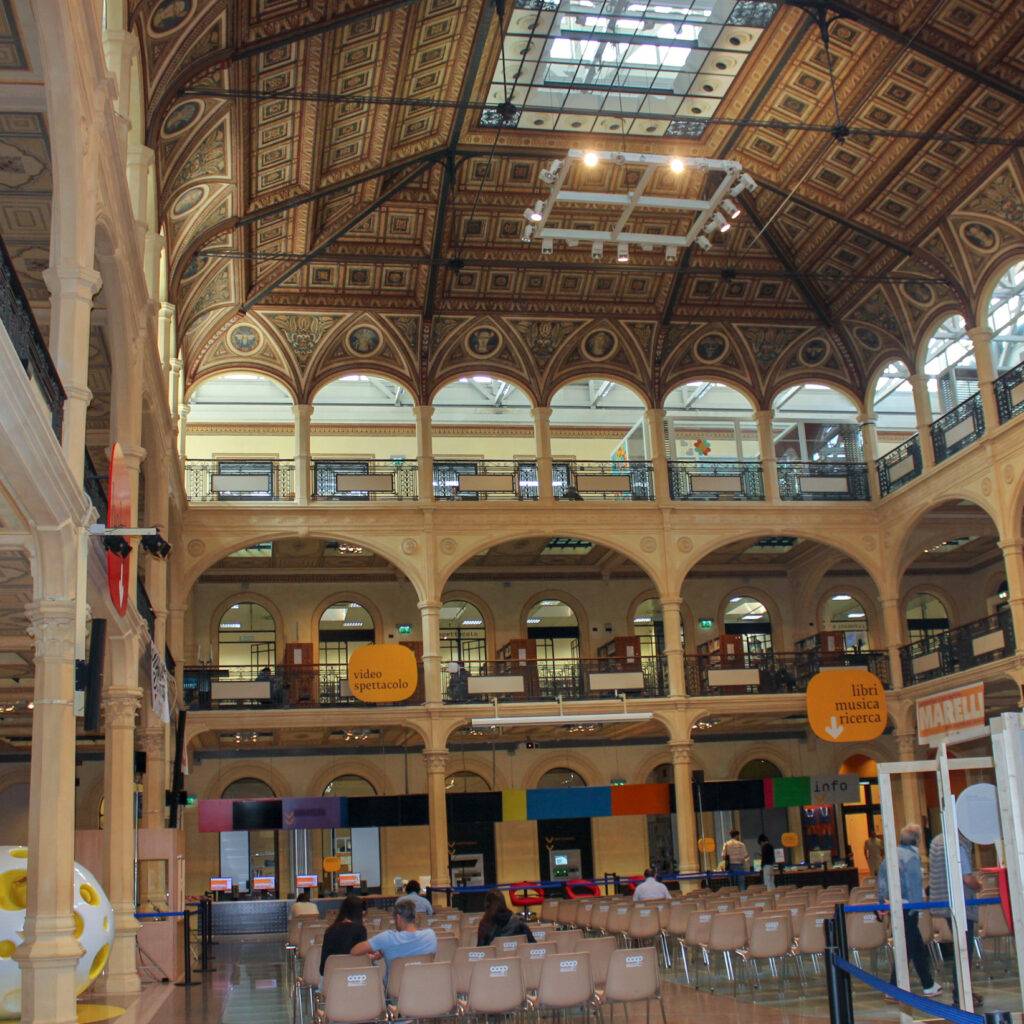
(612, 481)
(774, 671)
(1009, 389)
(93, 487)
(955, 650)
(823, 481)
(17, 318)
(958, 428)
(364, 480)
(240, 480)
(715, 480)
(899, 466)
(484, 480)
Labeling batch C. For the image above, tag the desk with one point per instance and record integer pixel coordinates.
(801, 877)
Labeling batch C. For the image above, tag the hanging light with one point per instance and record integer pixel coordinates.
(590, 158)
(623, 252)
(597, 250)
(676, 165)
(534, 213)
(732, 211)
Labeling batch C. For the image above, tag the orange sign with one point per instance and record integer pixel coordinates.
(382, 673)
(706, 845)
(790, 839)
(332, 864)
(951, 717)
(846, 705)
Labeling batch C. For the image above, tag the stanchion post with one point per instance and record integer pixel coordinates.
(205, 936)
(836, 1003)
(845, 985)
(188, 951)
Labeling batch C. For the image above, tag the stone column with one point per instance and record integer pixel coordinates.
(430, 626)
(120, 704)
(173, 385)
(923, 414)
(869, 441)
(686, 823)
(910, 784)
(674, 660)
(154, 782)
(424, 451)
(542, 439)
(303, 414)
(71, 294)
(655, 422)
(437, 766)
(981, 340)
(183, 411)
(48, 955)
(166, 334)
(892, 627)
(1013, 562)
(769, 463)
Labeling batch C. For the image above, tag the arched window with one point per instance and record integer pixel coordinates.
(760, 768)
(344, 627)
(949, 364)
(747, 617)
(552, 623)
(560, 778)
(246, 639)
(815, 423)
(927, 616)
(463, 637)
(893, 406)
(349, 785)
(708, 421)
(337, 842)
(845, 614)
(466, 782)
(1006, 319)
(253, 853)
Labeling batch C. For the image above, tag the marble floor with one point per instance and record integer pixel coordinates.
(249, 984)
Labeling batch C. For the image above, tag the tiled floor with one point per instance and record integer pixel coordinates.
(250, 985)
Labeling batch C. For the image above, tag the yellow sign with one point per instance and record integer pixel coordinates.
(846, 705)
(382, 673)
(790, 839)
(332, 864)
(706, 845)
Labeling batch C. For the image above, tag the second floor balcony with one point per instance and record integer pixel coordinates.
(957, 650)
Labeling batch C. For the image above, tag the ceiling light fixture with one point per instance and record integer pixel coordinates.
(623, 252)
(547, 247)
(676, 165)
(703, 242)
(590, 158)
(732, 211)
(550, 174)
(597, 250)
(535, 213)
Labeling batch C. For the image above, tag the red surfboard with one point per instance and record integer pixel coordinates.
(119, 511)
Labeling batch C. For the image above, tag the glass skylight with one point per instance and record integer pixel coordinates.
(634, 67)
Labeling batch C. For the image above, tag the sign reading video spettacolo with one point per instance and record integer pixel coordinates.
(382, 673)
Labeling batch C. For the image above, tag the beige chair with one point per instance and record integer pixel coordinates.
(428, 992)
(770, 939)
(566, 983)
(618, 921)
(566, 941)
(356, 996)
(446, 946)
(992, 925)
(308, 982)
(811, 939)
(341, 962)
(584, 908)
(396, 972)
(567, 910)
(633, 977)
(599, 917)
(533, 955)
(728, 935)
(698, 931)
(508, 945)
(600, 951)
(549, 911)
(462, 964)
(865, 934)
(543, 934)
(496, 986)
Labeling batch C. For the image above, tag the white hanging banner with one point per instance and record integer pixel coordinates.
(159, 685)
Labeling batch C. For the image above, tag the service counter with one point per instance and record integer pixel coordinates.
(262, 917)
(800, 877)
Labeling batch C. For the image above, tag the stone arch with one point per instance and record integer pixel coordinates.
(580, 375)
(572, 759)
(769, 602)
(780, 756)
(243, 597)
(365, 768)
(902, 542)
(574, 602)
(983, 299)
(506, 376)
(871, 606)
(479, 765)
(485, 610)
(259, 770)
(928, 329)
(877, 368)
(933, 590)
(692, 376)
(384, 373)
(348, 595)
(222, 370)
(834, 385)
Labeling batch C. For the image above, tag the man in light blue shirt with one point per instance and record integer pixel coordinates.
(420, 902)
(405, 940)
(912, 888)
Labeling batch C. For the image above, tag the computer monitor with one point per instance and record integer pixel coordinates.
(351, 879)
(220, 885)
(306, 881)
(264, 882)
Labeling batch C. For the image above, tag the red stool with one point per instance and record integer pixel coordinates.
(633, 882)
(526, 895)
(577, 889)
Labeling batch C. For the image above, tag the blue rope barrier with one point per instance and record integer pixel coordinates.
(853, 908)
(165, 913)
(930, 1006)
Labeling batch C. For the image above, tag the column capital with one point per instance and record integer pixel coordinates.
(78, 392)
(681, 751)
(52, 626)
(539, 412)
(120, 707)
(302, 409)
(670, 601)
(134, 455)
(906, 743)
(436, 761)
(176, 364)
(1015, 546)
(428, 606)
(762, 415)
(423, 412)
(86, 281)
(980, 335)
(867, 419)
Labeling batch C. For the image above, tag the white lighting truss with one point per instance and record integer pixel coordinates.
(715, 210)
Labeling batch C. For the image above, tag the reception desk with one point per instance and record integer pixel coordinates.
(270, 917)
(800, 877)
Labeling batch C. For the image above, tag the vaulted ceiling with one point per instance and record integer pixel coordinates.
(341, 194)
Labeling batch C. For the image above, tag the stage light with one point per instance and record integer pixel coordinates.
(703, 242)
(732, 211)
(534, 213)
(676, 165)
(671, 253)
(590, 158)
(597, 250)
(547, 246)
(550, 174)
(156, 546)
(117, 546)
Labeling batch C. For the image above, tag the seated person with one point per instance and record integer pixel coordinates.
(405, 940)
(499, 922)
(650, 888)
(420, 902)
(346, 932)
(303, 907)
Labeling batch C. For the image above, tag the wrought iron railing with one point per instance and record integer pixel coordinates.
(1009, 389)
(484, 480)
(958, 428)
(955, 650)
(899, 466)
(610, 481)
(93, 487)
(16, 316)
(364, 480)
(774, 671)
(715, 480)
(144, 606)
(240, 480)
(823, 481)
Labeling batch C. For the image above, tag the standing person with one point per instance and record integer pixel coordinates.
(873, 854)
(499, 922)
(735, 857)
(347, 931)
(420, 902)
(908, 860)
(405, 940)
(939, 889)
(767, 861)
(650, 888)
(458, 682)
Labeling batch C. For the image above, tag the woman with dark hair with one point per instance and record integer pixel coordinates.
(347, 931)
(499, 922)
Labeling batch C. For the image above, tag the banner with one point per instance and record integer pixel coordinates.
(159, 685)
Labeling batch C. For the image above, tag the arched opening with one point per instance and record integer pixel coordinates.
(466, 782)
(950, 367)
(246, 640)
(845, 617)
(893, 407)
(748, 619)
(344, 628)
(337, 842)
(760, 768)
(927, 617)
(815, 423)
(552, 626)
(560, 778)
(1006, 319)
(363, 436)
(225, 459)
(249, 854)
(463, 636)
